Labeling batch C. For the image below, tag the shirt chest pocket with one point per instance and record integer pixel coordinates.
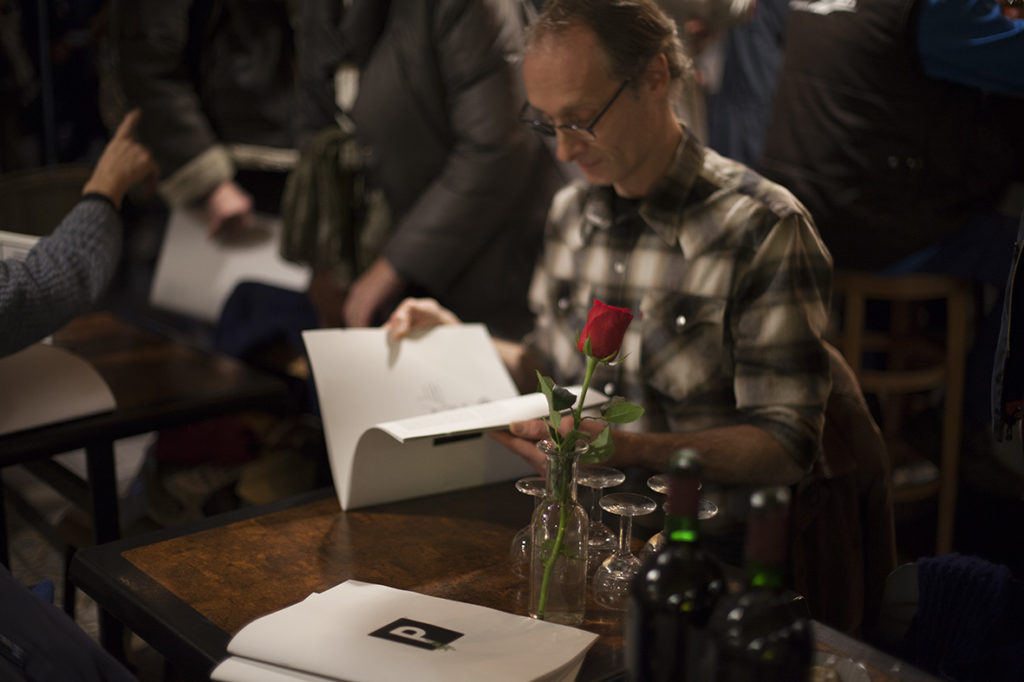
(685, 348)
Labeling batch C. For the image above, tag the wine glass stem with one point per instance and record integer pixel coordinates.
(625, 531)
(595, 505)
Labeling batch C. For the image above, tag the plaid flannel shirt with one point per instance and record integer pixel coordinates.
(730, 284)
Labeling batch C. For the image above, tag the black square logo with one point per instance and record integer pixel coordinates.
(416, 633)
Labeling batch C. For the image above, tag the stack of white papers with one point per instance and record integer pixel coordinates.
(195, 274)
(359, 632)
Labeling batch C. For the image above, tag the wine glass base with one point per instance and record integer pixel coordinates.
(612, 579)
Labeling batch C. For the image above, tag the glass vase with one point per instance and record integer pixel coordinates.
(558, 560)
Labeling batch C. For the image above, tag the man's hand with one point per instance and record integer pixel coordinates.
(228, 210)
(522, 437)
(417, 313)
(327, 294)
(370, 293)
(123, 163)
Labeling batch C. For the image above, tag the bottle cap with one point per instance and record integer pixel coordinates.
(686, 459)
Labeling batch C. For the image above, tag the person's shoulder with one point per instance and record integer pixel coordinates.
(740, 182)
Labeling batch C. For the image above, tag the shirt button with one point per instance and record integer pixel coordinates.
(680, 321)
(619, 267)
(563, 304)
(609, 388)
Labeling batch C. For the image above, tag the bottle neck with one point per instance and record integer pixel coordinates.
(681, 528)
(764, 576)
(560, 481)
(681, 507)
(766, 547)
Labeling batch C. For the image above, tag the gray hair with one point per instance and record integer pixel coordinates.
(631, 33)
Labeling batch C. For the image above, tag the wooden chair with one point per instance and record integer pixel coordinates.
(910, 358)
(842, 542)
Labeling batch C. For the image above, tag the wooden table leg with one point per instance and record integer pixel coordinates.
(5, 557)
(99, 460)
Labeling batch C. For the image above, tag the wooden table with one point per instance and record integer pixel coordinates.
(188, 591)
(157, 382)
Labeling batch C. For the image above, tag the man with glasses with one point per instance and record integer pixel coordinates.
(729, 283)
(724, 270)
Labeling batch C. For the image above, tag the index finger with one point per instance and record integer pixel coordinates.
(127, 127)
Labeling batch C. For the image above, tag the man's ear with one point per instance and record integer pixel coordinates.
(656, 77)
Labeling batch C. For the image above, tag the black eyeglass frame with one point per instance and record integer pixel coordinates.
(549, 129)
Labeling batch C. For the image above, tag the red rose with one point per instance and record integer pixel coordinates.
(605, 327)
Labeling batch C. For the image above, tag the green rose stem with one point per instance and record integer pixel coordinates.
(562, 483)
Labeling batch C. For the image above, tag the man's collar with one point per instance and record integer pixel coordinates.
(662, 208)
(664, 204)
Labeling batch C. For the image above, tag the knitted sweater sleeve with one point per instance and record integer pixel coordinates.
(62, 276)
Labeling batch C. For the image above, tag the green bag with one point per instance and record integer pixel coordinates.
(332, 220)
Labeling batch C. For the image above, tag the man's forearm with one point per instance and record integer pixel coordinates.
(733, 455)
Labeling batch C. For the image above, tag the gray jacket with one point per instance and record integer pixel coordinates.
(469, 186)
(63, 275)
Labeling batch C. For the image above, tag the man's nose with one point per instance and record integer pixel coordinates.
(568, 145)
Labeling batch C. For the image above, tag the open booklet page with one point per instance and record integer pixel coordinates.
(360, 632)
(405, 419)
(53, 385)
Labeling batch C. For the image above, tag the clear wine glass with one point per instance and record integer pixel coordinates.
(612, 578)
(597, 477)
(519, 552)
(659, 483)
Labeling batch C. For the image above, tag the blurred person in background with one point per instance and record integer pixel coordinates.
(66, 272)
(897, 123)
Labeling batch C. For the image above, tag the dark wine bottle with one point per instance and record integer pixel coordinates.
(762, 633)
(672, 597)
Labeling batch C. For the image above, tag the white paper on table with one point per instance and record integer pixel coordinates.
(406, 420)
(238, 669)
(195, 274)
(50, 385)
(360, 632)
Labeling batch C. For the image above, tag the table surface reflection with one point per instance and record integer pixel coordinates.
(188, 590)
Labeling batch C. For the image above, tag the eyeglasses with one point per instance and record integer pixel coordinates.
(529, 116)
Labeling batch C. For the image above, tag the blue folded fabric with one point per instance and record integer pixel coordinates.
(40, 643)
(256, 314)
(43, 590)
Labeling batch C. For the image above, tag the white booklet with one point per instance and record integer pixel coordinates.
(53, 385)
(407, 419)
(195, 274)
(360, 632)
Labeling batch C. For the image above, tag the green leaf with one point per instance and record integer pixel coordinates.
(621, 412)
(547, 387)
(562, 398)
(601, 447)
